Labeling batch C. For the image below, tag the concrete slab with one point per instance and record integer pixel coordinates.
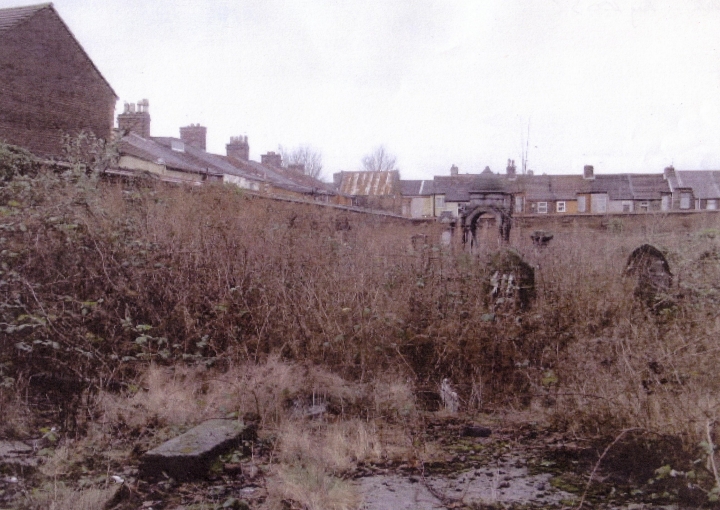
(16, 454)
(190, 455)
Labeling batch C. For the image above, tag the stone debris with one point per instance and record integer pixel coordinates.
(17, 455)
(476, 431)
(190, 455)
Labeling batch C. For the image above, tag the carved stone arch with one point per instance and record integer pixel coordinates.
(471, 215)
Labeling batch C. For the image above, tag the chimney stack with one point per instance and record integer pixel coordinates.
(194, 135)
(238, 148)
(588, 172)
(511, 170)
(297, 167)
(271, 159)
(669, 172)
(454, 170)
(135, 120)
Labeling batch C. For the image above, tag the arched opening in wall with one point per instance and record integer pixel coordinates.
(479, 222)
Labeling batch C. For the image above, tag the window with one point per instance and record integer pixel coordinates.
(685, 200)
(560, 207)
(598, 203)
(542, 207)
(581, 204)
(519, 204)
(644, 206)
(711, 204)
(627, 206)
(439, 202)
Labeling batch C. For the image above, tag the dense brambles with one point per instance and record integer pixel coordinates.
(100, 279)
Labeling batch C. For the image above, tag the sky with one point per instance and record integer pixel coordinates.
(624, 85)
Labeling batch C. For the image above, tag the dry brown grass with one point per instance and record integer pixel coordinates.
(212, 302)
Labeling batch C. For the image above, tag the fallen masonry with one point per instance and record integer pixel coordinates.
(18, 456)
(190, 455)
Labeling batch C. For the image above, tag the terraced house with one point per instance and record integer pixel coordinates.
(587, 193)
(48, 84)
(186, 160)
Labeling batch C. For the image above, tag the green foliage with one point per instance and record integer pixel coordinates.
(15, 161)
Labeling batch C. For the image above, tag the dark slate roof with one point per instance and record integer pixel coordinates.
(648, 186)
(200, 158)
(16, 15)
(617, 186)
(457, 188)
(150, 150)
(370, 183)
(704, 183)
(549, 187)
(416, 188)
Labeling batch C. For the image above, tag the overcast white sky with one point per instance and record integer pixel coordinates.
(625, 85)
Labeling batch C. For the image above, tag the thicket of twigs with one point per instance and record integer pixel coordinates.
(100, 279)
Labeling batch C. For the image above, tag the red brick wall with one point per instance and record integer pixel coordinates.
(49, 86)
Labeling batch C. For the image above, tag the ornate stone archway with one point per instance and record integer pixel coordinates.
(497, 204)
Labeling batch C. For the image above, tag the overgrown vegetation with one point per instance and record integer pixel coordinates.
(110, 291)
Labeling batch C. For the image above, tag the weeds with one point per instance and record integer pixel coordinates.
(124, 305)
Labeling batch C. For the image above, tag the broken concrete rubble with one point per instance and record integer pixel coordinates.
(17, 456)
(190, 455)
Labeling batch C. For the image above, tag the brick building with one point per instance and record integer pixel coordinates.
(48, 84)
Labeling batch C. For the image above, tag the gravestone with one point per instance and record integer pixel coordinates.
(651, 270)
(512, 281)
(190, 455)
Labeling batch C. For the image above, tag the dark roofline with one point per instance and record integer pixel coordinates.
(41, 7)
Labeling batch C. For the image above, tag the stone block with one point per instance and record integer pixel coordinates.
(190, 455)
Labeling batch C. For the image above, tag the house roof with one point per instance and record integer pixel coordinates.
(416, 188)
(704, 183)
(549, 187)
(150, 150)
(370, 183)
(648, 186)
(15, 16)
(617, 186)
(458, 188)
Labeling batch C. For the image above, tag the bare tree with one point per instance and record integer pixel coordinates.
(305, 155)
(379, 160)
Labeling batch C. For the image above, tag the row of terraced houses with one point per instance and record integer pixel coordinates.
(583, 193)
(49, 87)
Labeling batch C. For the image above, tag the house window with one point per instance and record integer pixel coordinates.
(627, 206)
(711, 204)
(560, 207)
(685, 201)
(581, 204)
(440, 202)
(598, 203)
(644, 206)
(542, 207)
(519, 203)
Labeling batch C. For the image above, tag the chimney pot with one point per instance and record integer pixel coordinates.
(588, 172)
(238, 148)
(194, 135)
(135, 120)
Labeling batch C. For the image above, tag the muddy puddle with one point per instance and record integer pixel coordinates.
(506, 483)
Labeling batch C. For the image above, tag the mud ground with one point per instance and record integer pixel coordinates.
(519, 465)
